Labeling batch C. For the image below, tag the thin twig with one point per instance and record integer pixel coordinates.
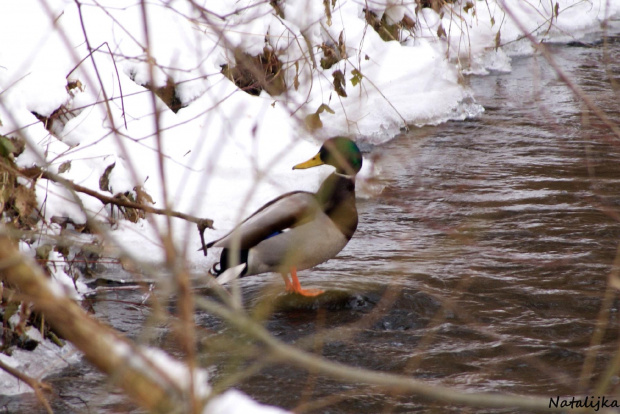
(120, 87)
(125, 203)
(186, 331)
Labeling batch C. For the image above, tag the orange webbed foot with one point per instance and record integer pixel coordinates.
(295, 287)
(306, 292)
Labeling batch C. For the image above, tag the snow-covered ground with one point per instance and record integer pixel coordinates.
(227, 152)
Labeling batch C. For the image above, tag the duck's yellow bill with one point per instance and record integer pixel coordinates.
(312, 162)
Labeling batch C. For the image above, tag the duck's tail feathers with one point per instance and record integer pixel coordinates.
(231, 273)
(223, 270)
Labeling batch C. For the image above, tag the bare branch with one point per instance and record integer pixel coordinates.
(102, 346)
(403, 384)
(114, 200)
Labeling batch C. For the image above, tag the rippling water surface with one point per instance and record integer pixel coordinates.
(481, 265)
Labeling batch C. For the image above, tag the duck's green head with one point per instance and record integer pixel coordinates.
(339, 152)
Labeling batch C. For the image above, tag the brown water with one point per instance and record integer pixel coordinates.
(481, 265)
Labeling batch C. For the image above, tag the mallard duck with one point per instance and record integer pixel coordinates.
(297, 230)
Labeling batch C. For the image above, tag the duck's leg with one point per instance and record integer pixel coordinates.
(295, 286)
(287, 282)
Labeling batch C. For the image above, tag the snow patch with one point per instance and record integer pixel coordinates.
(236, 402)
(46, 359)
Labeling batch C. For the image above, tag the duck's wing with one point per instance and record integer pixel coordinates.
(285, 212)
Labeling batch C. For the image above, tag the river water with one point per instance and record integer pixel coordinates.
(482, 263)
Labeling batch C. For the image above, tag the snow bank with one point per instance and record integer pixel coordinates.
(226, 152)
